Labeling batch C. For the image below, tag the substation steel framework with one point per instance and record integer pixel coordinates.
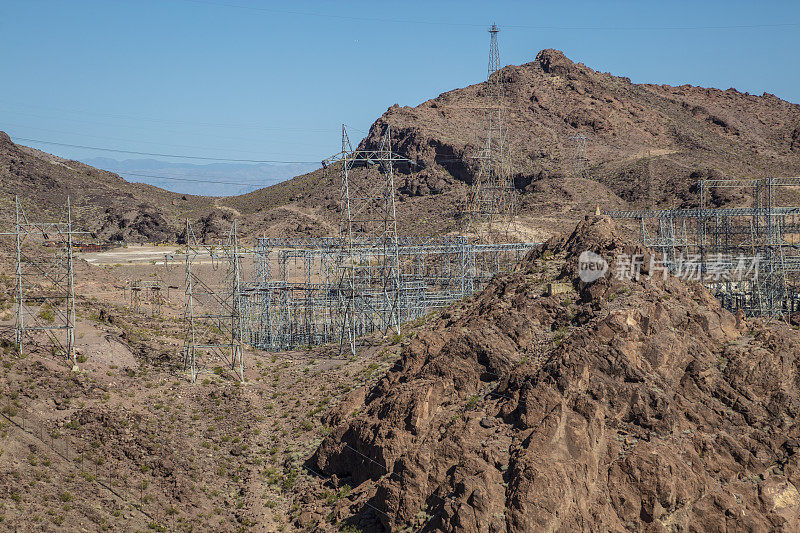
(212, 308)
(45, 281)
(763, 236)
(151, 292)
(307, 292)
(492, 199)
(580, 163)
(294, 302)
(367, 264)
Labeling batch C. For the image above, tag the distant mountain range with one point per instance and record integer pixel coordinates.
(215, 179)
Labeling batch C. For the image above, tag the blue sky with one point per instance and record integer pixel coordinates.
(243, 79)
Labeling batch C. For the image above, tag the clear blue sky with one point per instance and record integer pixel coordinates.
(275, 80)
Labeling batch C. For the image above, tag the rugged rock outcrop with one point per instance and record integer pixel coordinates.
(141, 221)
(620, 405)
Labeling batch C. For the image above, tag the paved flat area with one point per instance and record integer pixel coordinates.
(130, 254)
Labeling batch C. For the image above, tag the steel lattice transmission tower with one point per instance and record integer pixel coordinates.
(367, 263)
(492, 199)
(213, 307)
(45, 280)
(580, 162)
(767, 234)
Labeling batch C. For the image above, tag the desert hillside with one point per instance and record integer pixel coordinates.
(103, 203)
(647, 146)
(555, 300)
(617, 405)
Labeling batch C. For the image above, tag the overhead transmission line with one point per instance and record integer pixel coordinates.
(194, 180)
(700, 27)
(437, 157)
(153, 154)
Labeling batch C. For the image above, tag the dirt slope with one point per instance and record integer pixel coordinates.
(127, 443)
(620, 405)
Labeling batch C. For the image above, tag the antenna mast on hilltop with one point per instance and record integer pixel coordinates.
(492, 198)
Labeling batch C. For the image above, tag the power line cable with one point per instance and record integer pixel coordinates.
(776, 25)
(194, 180)
(157, 143)
(153, 154)
(148, 128)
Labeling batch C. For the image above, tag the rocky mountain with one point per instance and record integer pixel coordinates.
(618, 405)
(647, 145)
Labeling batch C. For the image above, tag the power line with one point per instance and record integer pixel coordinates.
(437, 157)
(516, 26)
(194, 180)
(254, 125)
(157, 143)
(274, 132)
(153, 154)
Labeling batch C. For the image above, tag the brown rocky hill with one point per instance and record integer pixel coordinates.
(648, 145)
(102, 202)
(619, 405)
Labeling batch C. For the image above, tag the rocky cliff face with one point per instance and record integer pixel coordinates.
(621, 404)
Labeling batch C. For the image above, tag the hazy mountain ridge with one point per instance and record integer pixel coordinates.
(212, 179)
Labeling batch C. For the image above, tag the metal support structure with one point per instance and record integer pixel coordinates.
(294, 300)
(491, 204)
(212, 305)
(151, 292)
(307, 292)
(721, 238)
(368, 291)
(580, 168)
(369, 278)
(45, 281)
